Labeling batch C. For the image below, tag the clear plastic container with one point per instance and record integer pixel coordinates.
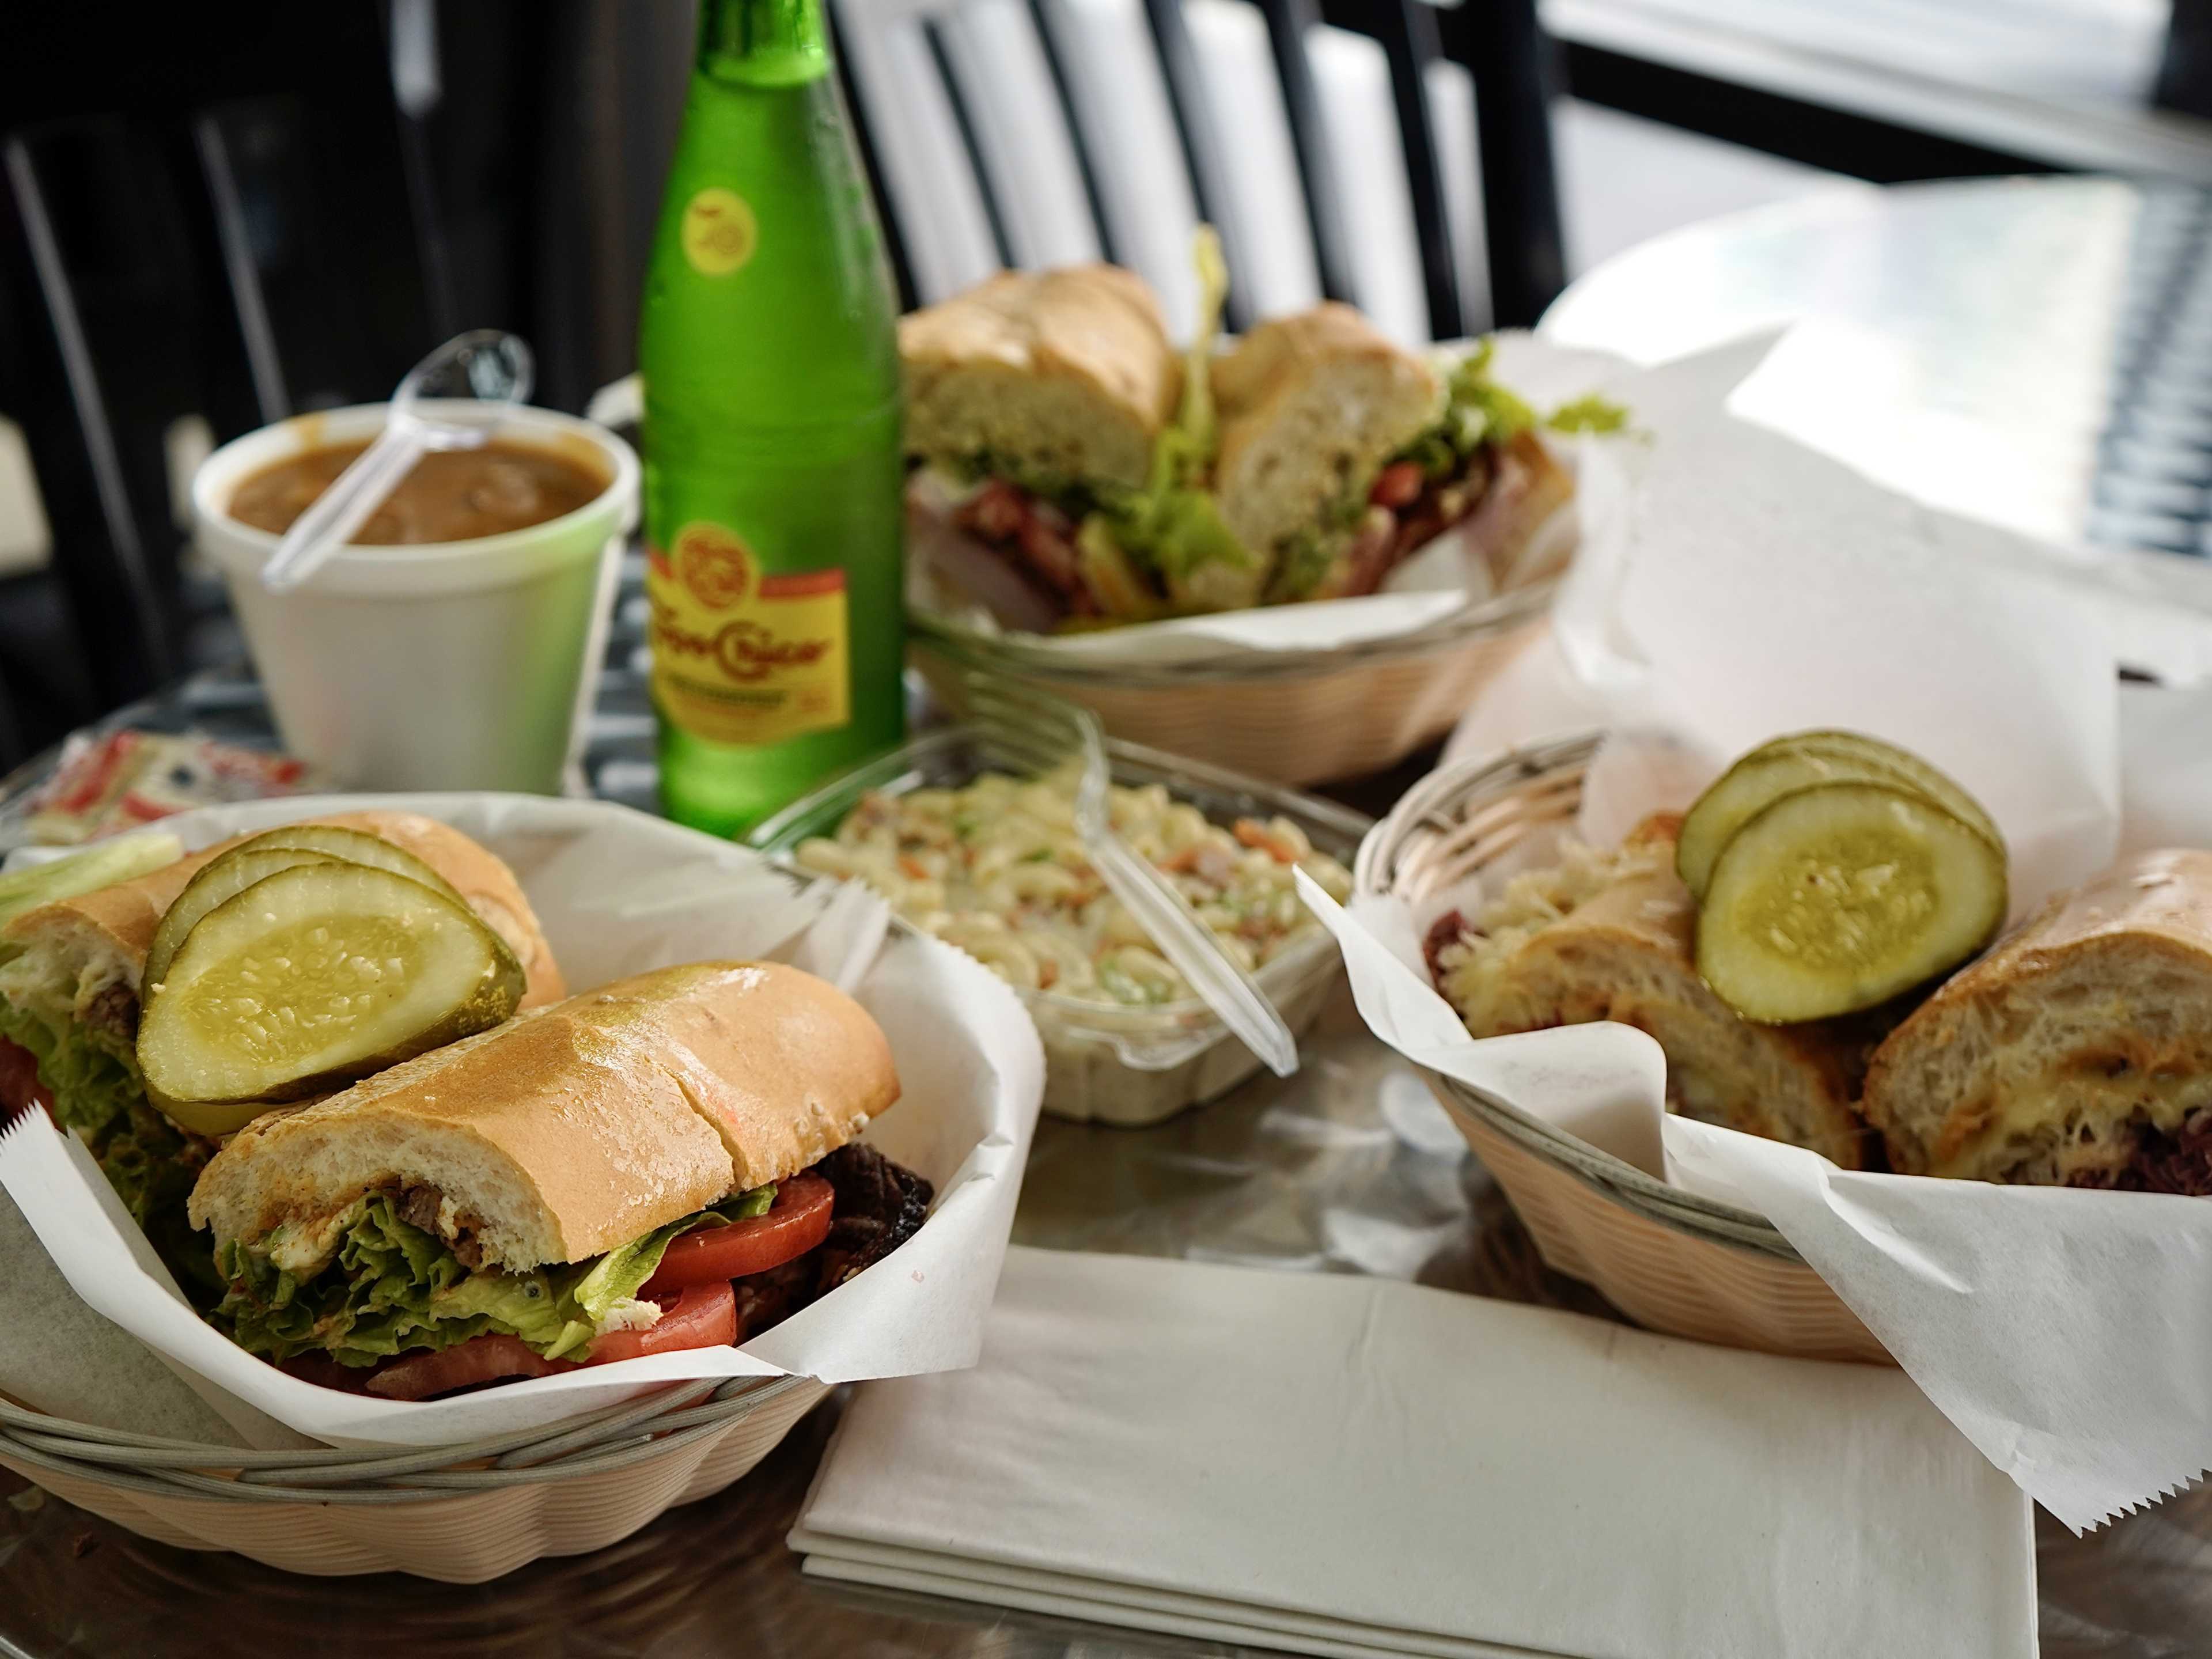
(1110, 1063)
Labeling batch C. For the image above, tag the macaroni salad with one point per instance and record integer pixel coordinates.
(997, 869)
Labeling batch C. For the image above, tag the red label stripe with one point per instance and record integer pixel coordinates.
(802, 584)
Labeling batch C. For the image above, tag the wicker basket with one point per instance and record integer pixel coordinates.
(1669, 1259)
(1297, 717)
(461, 1514)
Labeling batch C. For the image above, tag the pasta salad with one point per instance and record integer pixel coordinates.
(997, 869)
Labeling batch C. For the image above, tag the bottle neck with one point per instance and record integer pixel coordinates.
(763, 43)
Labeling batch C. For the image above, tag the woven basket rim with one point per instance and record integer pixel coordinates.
(1004, 654)
(1436, 805)
(612, 1438)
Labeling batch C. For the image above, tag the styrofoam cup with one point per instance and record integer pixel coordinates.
(448, 665)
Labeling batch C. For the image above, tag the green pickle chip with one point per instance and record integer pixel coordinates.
(312, 976)
(1839, 896)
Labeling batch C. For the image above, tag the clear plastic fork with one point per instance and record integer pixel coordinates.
(1033, 733)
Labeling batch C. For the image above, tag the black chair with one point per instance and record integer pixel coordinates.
(1012, 132)
(209, 220)
(203, 228)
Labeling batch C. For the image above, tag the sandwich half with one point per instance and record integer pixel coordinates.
(2078, 1052)
(1052, 422)
(69, 1001)
(582, 1183)
(1609, 936)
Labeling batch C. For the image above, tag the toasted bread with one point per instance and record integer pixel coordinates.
(1060, 374)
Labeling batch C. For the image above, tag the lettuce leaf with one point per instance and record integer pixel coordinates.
(1173, 526)
(384, 1285)
(92, 1076)
(1590, 414)
(1478, 411)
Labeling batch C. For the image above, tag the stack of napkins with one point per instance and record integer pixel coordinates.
(1345, 1466)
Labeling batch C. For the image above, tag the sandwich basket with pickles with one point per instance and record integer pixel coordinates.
(1811, 945)
(332, 1071)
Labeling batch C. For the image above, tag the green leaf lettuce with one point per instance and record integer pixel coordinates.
(378, 1285)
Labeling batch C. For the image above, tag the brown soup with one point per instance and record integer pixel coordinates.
(451, 495)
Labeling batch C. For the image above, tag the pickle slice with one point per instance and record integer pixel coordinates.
(1837, 897)
(216, 882)
(264, 855)
(355, 846)
(1755, 783)
(310, 978)
(1938, 785)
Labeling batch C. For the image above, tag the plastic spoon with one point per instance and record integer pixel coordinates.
(487, 364)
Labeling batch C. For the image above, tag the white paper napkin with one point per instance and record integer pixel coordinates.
(1340, 1465)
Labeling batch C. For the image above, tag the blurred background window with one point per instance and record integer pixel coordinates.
(203, 229)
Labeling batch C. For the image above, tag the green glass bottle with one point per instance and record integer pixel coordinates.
(773, 473)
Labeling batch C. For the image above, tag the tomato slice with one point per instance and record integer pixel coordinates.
(702, 1316)
(20, 1088)
(797, 1222)
(696, 1316)
(488, 1359)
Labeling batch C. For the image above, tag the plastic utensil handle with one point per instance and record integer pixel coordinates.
(1224, 987)
(350, 501)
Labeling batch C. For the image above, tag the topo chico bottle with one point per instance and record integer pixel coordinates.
(773, 472)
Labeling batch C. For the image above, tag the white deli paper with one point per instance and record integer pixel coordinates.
(1338, 1465)
(619, 892)
(957, 587)
(1762, 589)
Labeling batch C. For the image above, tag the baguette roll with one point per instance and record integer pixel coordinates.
(1311, 407)
(103, 936)
(2076, 1052)
(573, 1130)
(1061, 375)
(1611, 937)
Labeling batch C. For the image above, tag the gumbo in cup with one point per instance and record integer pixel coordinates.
(430, 663)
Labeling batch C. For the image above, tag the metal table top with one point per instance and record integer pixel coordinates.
(2031, 352)
(1349, 1167)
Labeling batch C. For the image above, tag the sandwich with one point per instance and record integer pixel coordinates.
(2077, 1053)
(1050, 419)
(666, 1162)
(1611, 936)
(71, 975)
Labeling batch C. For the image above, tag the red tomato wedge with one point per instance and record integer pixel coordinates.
(20, 1088)
(702, 1316)
(797, 1222)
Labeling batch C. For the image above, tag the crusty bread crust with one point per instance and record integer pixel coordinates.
(1311, 407)
(1064, 373)
(2042, 1061)
(1626, 954)
(576, 1128)
(126, 914)
(786, 1067)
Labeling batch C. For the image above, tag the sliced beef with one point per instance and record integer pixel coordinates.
(1035, 536)
(113, 1009)
(769, 1298)
(420, 1206)
(2161, 1163)
(879, 1206)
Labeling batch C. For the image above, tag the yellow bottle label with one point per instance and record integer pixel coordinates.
(720, 232)
(743, 657)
